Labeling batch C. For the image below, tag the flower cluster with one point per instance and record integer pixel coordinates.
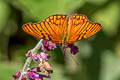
(47, 45)
(34, 73)
(44, 69)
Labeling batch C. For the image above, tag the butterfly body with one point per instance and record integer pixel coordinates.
(63, 29)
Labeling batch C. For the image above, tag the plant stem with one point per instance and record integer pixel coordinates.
(29, 59)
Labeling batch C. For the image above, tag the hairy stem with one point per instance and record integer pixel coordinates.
(29, 59)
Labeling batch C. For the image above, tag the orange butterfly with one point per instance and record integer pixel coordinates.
(63, 29)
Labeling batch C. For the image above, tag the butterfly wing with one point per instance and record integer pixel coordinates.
(80, 27)
(59, 23)
(50, 29)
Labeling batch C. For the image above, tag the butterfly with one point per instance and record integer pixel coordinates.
(63, 29)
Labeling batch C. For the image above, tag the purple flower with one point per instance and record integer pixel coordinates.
(34, 56)
(28, 53)
(51, 45)
(43, 56)
(47, 45)
(32, 75)
(23, 77)
(35, 69)
(73, 49)
(17, 75)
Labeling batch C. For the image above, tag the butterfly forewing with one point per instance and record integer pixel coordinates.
(50, 29)
(30, 30)
(81, 27)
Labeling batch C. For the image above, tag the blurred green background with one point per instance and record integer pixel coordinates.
(99, 55)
